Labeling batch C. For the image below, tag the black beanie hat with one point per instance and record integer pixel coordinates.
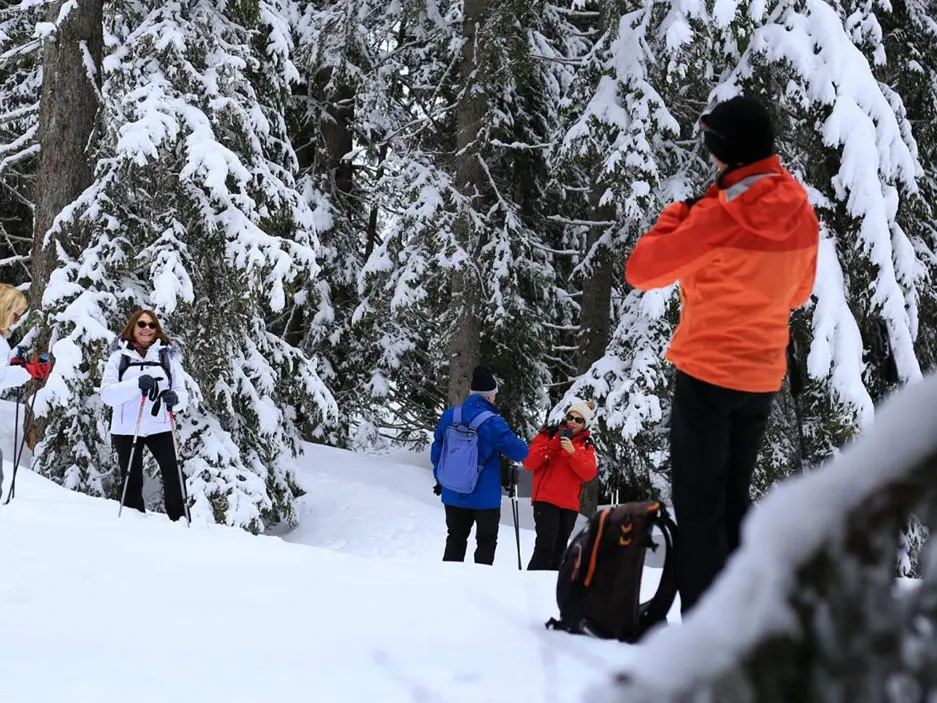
(738, 132)
(483, 381)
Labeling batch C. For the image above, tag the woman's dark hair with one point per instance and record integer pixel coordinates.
(127, 334)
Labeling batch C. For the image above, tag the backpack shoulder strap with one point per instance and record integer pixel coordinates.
(480, 418)
(656, 609)
(457, 415)
(122, 365)
(165, 363)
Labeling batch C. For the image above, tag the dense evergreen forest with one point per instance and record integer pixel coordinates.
(339, 208)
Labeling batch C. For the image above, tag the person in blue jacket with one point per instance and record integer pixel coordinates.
(481, 507)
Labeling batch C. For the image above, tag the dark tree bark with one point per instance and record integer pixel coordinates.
(68, 108)
(337, 135)
(595, 320)
(465, 344)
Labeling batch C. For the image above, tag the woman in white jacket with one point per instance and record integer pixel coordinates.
(143, 383)
(12, 307)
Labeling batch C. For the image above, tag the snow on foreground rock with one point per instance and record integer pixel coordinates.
(99, 609)
(810, 599)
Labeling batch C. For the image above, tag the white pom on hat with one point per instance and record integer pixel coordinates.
(586, 408)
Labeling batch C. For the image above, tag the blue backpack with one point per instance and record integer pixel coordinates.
(459, 464)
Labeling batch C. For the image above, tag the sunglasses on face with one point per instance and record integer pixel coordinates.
(575, 418)
(141, 324)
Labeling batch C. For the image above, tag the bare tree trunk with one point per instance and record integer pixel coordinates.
(595, 320)
(336, 131)
(372, 237)
(68, 108)
(465, 345)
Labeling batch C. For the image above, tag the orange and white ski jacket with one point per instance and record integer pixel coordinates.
(745, 256)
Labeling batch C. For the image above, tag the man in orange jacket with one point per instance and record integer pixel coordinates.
(745, 254)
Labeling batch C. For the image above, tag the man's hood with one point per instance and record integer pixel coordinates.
(763, 198)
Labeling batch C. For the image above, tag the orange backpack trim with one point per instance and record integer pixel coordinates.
(595, 547)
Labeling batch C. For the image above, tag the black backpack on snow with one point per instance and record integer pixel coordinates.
(598, 587)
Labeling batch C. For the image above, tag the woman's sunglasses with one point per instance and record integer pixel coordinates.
(575, 418)
(141, 324)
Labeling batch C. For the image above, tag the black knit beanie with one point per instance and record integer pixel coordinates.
(738, 132)
(483, 381)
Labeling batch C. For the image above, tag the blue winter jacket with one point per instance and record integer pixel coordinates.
(494, 438)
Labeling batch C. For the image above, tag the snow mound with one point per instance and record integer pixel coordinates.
(750, 599)
(146, 608)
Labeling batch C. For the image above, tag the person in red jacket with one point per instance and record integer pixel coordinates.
(561, 459)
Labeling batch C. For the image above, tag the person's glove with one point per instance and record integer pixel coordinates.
(149, 386)
(507, 477)
(690, 202)
(437, 489)
(170, 398)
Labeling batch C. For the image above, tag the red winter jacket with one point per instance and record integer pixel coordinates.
(558, 475)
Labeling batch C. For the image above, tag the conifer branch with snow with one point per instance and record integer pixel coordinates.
(193, 212)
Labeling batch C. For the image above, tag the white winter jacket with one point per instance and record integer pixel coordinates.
(124, 396)
(10, 376)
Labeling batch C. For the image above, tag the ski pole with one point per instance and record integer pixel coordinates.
(516, 512)
(133, 451)
(16, 435)
(18, 454)
(16, 432)
(175, 448)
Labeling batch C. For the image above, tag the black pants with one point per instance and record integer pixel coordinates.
(160, 446)
(715, 435)
(554, 525)
(459, 522)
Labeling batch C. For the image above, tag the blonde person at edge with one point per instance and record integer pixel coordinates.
(12, 307)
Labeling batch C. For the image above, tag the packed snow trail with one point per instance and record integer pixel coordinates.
(385, 507)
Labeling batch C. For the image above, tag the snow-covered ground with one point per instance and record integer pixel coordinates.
(352, 605)
(385, 507)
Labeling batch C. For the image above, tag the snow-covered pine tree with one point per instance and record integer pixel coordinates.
(349, 61)
(909, 35)
(194, 212)
(357, 120)
(628, 131)
(462, 273)
(847, 137)
(20, 81)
